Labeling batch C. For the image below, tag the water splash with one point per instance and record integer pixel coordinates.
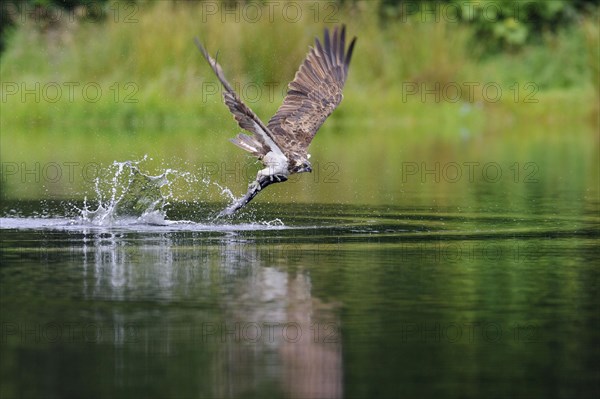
(126, 194)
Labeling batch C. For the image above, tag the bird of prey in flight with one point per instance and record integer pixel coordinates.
(282, 144)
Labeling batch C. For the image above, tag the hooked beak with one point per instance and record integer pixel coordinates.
(304, 168)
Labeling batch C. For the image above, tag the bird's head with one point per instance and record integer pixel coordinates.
(302, 165)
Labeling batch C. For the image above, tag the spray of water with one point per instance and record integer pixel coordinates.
(125, 194)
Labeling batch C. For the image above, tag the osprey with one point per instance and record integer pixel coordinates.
(282, 144)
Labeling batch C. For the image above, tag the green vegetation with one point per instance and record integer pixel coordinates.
(80, 90)
(500, 25)
(142, 59)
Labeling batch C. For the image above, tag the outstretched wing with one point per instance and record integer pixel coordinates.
(244, 116)
(314, 93)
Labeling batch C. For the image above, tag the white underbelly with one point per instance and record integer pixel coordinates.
(277, 164)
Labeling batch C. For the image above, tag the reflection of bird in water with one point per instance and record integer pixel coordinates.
(282, 145)
(276, 329)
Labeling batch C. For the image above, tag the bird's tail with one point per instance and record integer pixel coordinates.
(249, 143)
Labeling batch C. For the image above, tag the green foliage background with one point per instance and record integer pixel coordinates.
(144, 51)
(151, 48)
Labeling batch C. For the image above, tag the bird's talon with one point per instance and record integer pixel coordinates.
(254, 186)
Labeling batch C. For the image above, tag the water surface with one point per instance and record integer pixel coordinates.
(430, 267)
(329, 301)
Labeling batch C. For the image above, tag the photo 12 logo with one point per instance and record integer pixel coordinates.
(234, 172)
(49, 172)
(451, 332)
(270, 332)
(469, 171)
(251, 92)
(53, 92)
(455, 11)
(39, 12)
(54, 332)
(254, 11)
(453, 92)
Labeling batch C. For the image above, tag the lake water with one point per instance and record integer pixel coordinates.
(387, 275)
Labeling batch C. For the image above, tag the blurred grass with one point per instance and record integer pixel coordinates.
(153, 53)
(182, 126)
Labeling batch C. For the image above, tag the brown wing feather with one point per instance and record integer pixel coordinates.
(262, 140)
(314, 93)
